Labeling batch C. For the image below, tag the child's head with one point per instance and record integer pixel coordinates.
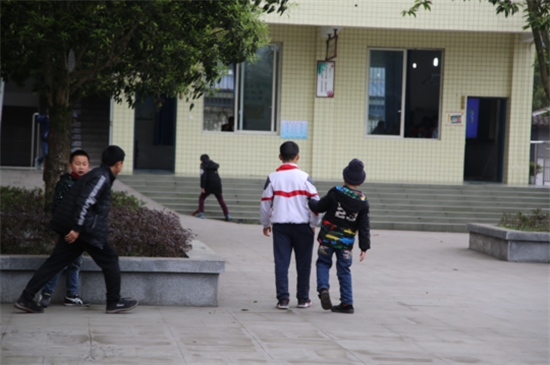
(79, 162)
(289, 152)
(113, 156)
(204, 157)
(354, 173)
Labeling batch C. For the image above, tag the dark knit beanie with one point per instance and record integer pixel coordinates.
(204, 158)
(354, 173)
(111, 155)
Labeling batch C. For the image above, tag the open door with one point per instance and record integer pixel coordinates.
(155, 135)
(485, 131)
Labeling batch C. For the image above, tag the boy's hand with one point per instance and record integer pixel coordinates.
(313, 229)
(71, 236)
(203, 191)
(362, 256)
(267, 230)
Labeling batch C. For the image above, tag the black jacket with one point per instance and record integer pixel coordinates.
(85, 209)
(65, 183)
(210, 180)
(347, 211)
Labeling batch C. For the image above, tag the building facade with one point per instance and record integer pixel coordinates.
(441, 98)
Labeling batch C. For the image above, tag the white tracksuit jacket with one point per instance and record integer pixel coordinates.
(284, 199)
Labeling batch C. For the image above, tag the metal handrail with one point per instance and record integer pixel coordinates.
(33, 135)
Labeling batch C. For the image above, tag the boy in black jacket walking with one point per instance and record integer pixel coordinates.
(79, 164)
(211, 183)
(347, 212)
(81, 221)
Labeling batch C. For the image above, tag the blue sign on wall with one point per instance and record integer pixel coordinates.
(472, 117)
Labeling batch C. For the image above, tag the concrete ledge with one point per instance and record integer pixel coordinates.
(509, 245)
(189, 281)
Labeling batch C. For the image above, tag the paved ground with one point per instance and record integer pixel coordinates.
(421, 298)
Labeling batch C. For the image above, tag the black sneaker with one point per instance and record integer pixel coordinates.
(343, 308)
(325, 299)
(45, 299)
(304, 303)
(28, 306)
(123, 305)
(283, 304)
(75, 301)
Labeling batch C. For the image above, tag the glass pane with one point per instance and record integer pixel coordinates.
(257, 91)
(219, 104)
(385, 92)
(423, 87)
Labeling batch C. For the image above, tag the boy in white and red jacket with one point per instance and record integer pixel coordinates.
(284, 209)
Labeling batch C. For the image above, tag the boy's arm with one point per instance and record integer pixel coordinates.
(364, 228)
(322, 205)
(314, 217)
(87, 199)
(266, 204)
(203, 178)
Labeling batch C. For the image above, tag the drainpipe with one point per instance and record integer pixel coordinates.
(111, 111)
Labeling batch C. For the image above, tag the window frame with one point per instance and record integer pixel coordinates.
(238, 101)
(403, 93)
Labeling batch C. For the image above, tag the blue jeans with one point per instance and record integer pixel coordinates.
(343, 264)
(288, 237)
(44, 147)
(72, 278)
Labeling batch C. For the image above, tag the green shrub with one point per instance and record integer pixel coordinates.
(537, 221)
(24, 223)
(133, 229)
(123, 199)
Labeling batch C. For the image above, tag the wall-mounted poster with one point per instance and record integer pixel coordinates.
(294, 129)
(455, 118)
(325, 79)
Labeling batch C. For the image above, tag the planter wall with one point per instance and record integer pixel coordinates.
(189, 281)
(509, 245)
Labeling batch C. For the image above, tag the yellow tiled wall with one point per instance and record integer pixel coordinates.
(445, 15)
(474, 64)
(123, 133)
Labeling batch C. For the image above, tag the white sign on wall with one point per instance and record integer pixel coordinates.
(325, 79)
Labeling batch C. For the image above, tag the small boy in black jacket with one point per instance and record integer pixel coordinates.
(211, 183)
(79, 163)
(347, 211)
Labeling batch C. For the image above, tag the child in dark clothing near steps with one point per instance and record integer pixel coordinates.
(347, 212)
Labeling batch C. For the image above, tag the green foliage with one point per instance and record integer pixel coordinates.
(24, 223)
(534, 169)
(123, 47)
(123, 199)
(133, 229)
(537, 221)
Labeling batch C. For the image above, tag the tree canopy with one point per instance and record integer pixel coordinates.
(71, 49)
(537, 18)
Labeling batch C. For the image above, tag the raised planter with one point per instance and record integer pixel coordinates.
(508, 244)
(189, 281)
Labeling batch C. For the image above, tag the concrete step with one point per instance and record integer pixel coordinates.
(393, 206)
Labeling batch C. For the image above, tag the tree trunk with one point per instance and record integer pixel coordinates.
(59, 149)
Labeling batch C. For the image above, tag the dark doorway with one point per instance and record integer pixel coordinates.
(155, 135)
(485, 131)
(17, 145)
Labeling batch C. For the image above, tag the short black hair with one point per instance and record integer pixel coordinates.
(78, 153)
(111, 155)
(204, 157)
(289, 150)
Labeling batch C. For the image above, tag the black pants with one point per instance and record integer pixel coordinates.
(286, 238)
(64, 253)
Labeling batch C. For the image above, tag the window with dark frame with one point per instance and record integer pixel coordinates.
(404, 88)
(246, 99)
